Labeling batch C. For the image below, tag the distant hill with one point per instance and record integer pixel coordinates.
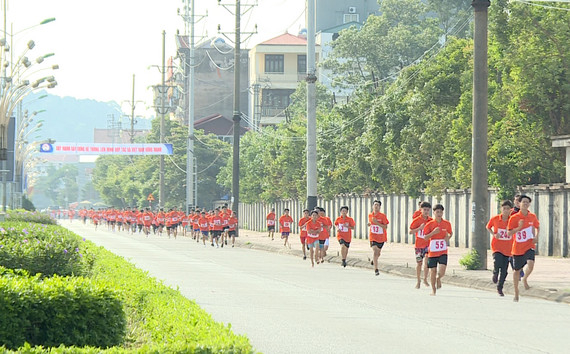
(68, 119)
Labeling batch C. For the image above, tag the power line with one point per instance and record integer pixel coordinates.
(545, 6)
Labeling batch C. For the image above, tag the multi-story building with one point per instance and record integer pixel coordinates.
(277, 66)
(332, 17)
(213, 82)
(333, 13)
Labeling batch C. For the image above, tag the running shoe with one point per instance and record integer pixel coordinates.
(495, 278)
(344, 263)
(377, 272)
(500, 291)
(304, 257)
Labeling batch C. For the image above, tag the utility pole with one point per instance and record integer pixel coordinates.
(479, 183)
(189, 64)
(237, 111)
(133, 113)
(237, 114)
(162, 113)
(311, 107)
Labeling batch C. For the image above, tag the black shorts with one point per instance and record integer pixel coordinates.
(226, 228)
(322, 242)
(377, 244)
(119, 223)
(433, 261)
(232, 233)
(520, 261)
(343, 242)
(270, 228)
(216, 233)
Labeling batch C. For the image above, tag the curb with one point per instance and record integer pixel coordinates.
(409, 272)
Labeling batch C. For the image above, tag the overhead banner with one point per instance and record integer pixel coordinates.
(105, 149)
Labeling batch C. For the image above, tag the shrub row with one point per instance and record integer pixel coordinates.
(55, 311)
(159, 319)
(43, 249)
(30, 216)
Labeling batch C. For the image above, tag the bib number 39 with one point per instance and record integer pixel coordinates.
(525, 235)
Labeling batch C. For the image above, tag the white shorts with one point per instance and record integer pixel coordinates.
(327, 241)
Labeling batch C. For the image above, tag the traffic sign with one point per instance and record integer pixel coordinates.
(150, 198)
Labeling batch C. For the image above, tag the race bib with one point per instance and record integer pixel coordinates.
(421, 234)
(270, 222)
(376, 229)
(147, 217)
(217, 222)
(525, 235)
(313, 235)
(503, 235)
(342, 228)
(437, 245)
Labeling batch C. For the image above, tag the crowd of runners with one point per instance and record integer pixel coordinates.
(514, 238)
(217, 226)
(514, 234)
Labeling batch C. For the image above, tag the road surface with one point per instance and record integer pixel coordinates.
(285, 306)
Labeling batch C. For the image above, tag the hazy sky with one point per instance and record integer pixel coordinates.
(100, 44)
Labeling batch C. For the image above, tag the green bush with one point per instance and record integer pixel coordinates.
(471, 260)
(59, 310)
(159, 318)
(30, 216)
(44, 249)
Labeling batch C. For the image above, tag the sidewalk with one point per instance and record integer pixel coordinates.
(550, 279)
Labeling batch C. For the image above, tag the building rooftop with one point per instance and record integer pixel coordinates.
(285, 39)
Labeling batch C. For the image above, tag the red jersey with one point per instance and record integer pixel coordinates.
(378, 233)
(421, 241)
(437, 245)
(232, 223)
(524, 239)
(285, 223)
(302, 226)
(343, 225)
(270, 219)
(504, 243)
(326, 222)
(313, 230)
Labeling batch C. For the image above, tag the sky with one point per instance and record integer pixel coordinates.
(100, 44)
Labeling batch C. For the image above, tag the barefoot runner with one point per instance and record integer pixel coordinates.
(344, 224)
(421, 249)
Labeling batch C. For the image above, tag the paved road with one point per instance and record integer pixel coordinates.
(284, 306)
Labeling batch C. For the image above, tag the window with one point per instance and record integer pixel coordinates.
(274, 63)
(274, 101)
(302, 64)
(350, 18)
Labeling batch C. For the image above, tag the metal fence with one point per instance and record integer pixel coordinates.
(549, 203)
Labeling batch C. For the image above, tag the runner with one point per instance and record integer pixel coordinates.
(285, 223)
(147, 221)
(217, 227)
(313, 230)
(501, 244)
(196, 225)
(419, 211)
(378, 223)
(160, 221)
(204, 224)
(438, 232)
(306, 217)
(232, 225)
(324, 237)
(524, 226)
(517, 201)
(344, 224)
(225, 224)
(270, 218)
(421, 247)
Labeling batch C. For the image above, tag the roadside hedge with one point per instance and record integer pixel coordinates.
(30, 216)
(59, 310)
(159, 319)
(43, 249)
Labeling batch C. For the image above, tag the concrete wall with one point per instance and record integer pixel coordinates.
(549, 202)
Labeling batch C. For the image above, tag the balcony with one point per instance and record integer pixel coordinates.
(273, 111)
(282, 80)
